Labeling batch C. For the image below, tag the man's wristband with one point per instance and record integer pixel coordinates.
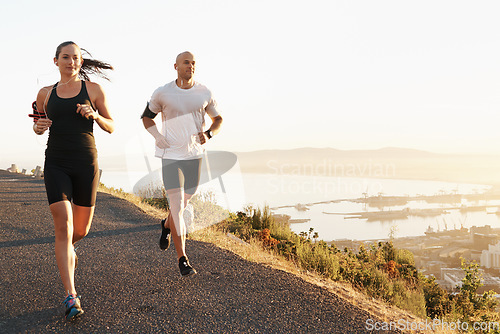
(209, 134)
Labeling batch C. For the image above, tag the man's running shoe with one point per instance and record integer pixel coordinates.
(165, 236)
(185, 267)
(73, 308)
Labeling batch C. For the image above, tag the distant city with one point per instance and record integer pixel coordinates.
(439, 254)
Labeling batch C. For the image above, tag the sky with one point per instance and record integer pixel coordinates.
(286, 74)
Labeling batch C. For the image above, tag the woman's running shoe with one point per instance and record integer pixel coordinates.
(73, 308)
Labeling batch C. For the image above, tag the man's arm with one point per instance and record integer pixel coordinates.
(150, 126)
(214, 128)
(148, 122)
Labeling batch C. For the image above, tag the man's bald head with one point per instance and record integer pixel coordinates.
(184, 55)
(185, 66)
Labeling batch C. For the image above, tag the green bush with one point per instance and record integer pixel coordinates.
(437, 301)
(239, 224)
(317, 257)
(404, 256)
(161, 203)
(468, 305)
(206, 211)
(408, 298)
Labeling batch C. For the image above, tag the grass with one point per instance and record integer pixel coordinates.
(136, 200)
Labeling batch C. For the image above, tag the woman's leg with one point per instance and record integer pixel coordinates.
(63, 225)
(85, 185)
(82, 219)
(71, 224)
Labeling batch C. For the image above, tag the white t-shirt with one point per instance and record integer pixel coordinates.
(183, 117)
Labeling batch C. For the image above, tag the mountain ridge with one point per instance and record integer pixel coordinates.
(388, 162)
(393, 162)
(382, 150)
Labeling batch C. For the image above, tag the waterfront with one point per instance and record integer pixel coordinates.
(289, 190)
(333, 227)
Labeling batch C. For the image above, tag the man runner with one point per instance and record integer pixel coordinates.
(183, 104)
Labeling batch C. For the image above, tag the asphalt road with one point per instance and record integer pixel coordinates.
(128, 285)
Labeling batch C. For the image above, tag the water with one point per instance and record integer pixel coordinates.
(281, 190)
(289, 190)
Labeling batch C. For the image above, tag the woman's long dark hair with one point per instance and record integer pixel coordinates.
(90, 66)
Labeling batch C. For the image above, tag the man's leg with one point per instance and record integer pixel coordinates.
(174, 177)
(169, 221)
(176, 220)
(178, 230)
(191, 170)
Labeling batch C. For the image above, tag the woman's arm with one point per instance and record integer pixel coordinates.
(102, 115)
(42, 124)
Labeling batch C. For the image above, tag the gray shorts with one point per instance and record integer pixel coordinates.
(181, 174)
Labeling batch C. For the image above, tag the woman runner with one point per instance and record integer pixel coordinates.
(69, 109)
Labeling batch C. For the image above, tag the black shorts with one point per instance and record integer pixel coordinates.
(181, 174)
(71, 180)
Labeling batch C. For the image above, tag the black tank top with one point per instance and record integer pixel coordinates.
(71, 135)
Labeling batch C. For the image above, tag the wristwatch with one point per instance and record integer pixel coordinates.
(209, 134)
